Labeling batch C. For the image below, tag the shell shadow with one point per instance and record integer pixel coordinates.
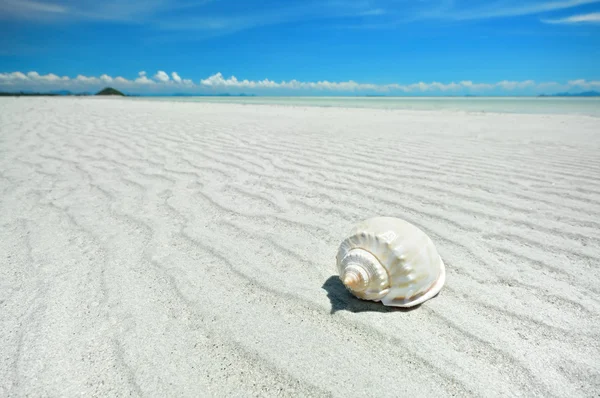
(342, 300)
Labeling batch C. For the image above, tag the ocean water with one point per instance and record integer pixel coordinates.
(538, 105)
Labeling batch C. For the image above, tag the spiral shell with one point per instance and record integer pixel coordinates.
(390, 260)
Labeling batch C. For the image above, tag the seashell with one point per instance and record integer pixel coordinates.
(390, 260)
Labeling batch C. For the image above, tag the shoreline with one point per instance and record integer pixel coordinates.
(343, 105)
(466, 112)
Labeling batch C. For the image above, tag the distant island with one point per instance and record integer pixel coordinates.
(38, 94)
(110, 91)
(113, 91)
(582, 94)
(57, 93)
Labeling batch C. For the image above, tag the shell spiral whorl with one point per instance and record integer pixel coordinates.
(363, 274)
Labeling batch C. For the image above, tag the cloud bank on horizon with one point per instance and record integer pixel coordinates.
(162, 82)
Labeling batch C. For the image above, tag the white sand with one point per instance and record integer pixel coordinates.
(180, 249)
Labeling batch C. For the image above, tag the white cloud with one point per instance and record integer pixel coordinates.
(86, 79)
(161, 76)
(476, 86)
(585, 84)
(19, 77)
(162, 83)
(508, 85)
(576, 19)
(144, 80)
(15, 75)
(217, 80)
(50, 77)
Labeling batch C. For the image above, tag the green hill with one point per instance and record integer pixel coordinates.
(110, 91)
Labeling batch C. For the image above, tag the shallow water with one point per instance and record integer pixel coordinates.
(539, 105)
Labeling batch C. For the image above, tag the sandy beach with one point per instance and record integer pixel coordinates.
(159, 249)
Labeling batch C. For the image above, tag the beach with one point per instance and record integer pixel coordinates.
(156, 248)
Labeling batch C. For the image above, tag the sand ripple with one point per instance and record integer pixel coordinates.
(162, 249)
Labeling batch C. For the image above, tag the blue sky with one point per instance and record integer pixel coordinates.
(321, 47)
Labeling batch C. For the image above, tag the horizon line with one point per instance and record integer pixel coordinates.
(69, 93)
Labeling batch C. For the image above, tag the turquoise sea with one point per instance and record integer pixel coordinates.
(545, 105)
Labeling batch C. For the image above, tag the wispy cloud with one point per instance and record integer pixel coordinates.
(593, 18)
(374, 11)
(162, 82)
(186, 14)
(26, 9)
(218, 17)
(133, 11)
(514, 8)
(290, 12)
(400, 13)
